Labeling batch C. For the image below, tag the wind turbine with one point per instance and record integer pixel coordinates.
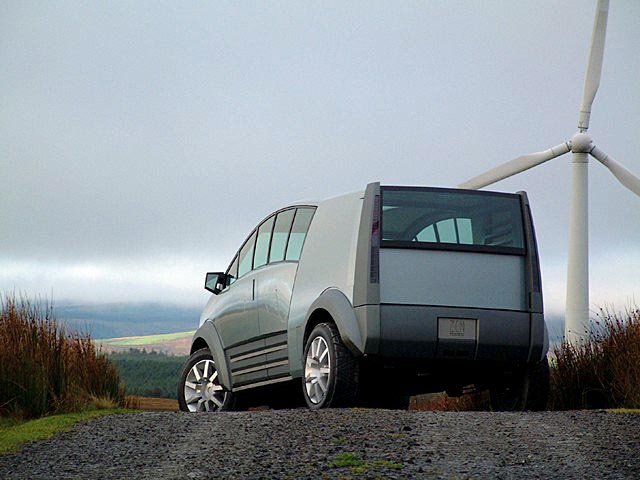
(577, 324)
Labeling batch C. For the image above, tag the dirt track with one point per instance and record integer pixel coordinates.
(372, 444)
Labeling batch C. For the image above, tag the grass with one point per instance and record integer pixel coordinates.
(153, 404)
(44, 369)
(602, 372)
(14, 434)
(441, 402)
(357, 465)
(144, 340)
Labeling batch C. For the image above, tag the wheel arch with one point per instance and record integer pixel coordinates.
(333, 306)
(207, 337)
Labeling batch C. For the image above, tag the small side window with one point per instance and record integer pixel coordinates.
(280, 235)
(299, 229)
(447, 231)
(232, 272)
(262, 244)
(246, 256)
(428, 234)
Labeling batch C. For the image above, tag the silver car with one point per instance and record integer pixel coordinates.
(374, 296)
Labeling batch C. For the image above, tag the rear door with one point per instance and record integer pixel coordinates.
(446, 247)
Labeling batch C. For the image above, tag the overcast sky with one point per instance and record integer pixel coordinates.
(141, 141)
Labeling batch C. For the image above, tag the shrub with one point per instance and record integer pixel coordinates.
(604, 371)
(45, 369)
(441, 402)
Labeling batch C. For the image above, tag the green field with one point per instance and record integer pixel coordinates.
(145, 340)
(14, 434)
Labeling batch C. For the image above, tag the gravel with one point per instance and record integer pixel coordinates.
(350, 443)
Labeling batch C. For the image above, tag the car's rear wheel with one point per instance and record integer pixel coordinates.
(528, 390)
(330, 370)
(199, 388)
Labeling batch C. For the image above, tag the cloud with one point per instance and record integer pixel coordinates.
(139, 146)
(174, 280)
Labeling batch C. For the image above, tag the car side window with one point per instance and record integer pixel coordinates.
(262, 244)
(245, 258)
(301, 223)
(450, 230)
(232, 271)
(280, 235)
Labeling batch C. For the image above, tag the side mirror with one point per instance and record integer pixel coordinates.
(215, 282)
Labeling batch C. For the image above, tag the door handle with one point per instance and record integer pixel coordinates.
(253, 290)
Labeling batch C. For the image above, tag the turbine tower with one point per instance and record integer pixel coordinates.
(577, 323)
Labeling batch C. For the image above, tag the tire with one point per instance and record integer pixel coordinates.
(538, 388)
(199, 389)
(509, 394)
(527, 390)
(390, 394)
(330, 370)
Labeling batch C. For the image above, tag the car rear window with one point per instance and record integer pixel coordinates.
(449, 219)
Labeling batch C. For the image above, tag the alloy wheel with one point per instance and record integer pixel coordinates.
(202, 389)
(317, 370)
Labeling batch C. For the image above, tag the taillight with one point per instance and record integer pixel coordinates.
(374, 269)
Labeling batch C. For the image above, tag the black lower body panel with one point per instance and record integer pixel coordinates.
(418, 332)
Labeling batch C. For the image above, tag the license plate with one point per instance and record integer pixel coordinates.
(457, 328)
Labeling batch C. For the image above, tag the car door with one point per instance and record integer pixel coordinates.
(236, 319)
(275, 285)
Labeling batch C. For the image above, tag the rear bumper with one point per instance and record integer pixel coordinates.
(411, 332)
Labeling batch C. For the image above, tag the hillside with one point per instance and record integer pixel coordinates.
(169, 343)
(111, 320)
(148, 374)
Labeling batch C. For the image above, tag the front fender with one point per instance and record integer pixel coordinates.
(208, 333)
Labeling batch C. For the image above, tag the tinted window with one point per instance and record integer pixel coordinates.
(438, 217)
(280, 235)
(232, 272)
(298, 233)
(246, 256)
(262, 244)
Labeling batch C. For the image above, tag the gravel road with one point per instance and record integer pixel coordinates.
(305, 444)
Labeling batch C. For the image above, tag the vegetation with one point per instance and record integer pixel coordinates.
(604, 372)
(13, 434)
(148, 374)
(144, 340)
(472, 402)
(46, 370)
(357, 465)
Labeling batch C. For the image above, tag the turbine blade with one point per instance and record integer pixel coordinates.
(518, 165)
(594, 67)
(624, 176)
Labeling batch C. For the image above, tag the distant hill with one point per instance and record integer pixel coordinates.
(555, 326)
(169, 343)
(111, 320)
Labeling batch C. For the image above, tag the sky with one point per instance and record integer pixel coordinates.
(141, 141)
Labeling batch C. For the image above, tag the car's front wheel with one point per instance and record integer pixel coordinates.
(330, 370)
(199, 388)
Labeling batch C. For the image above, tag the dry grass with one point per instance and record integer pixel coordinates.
(152, 404)
(604, 372)
(441, 402)
(45, 370)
